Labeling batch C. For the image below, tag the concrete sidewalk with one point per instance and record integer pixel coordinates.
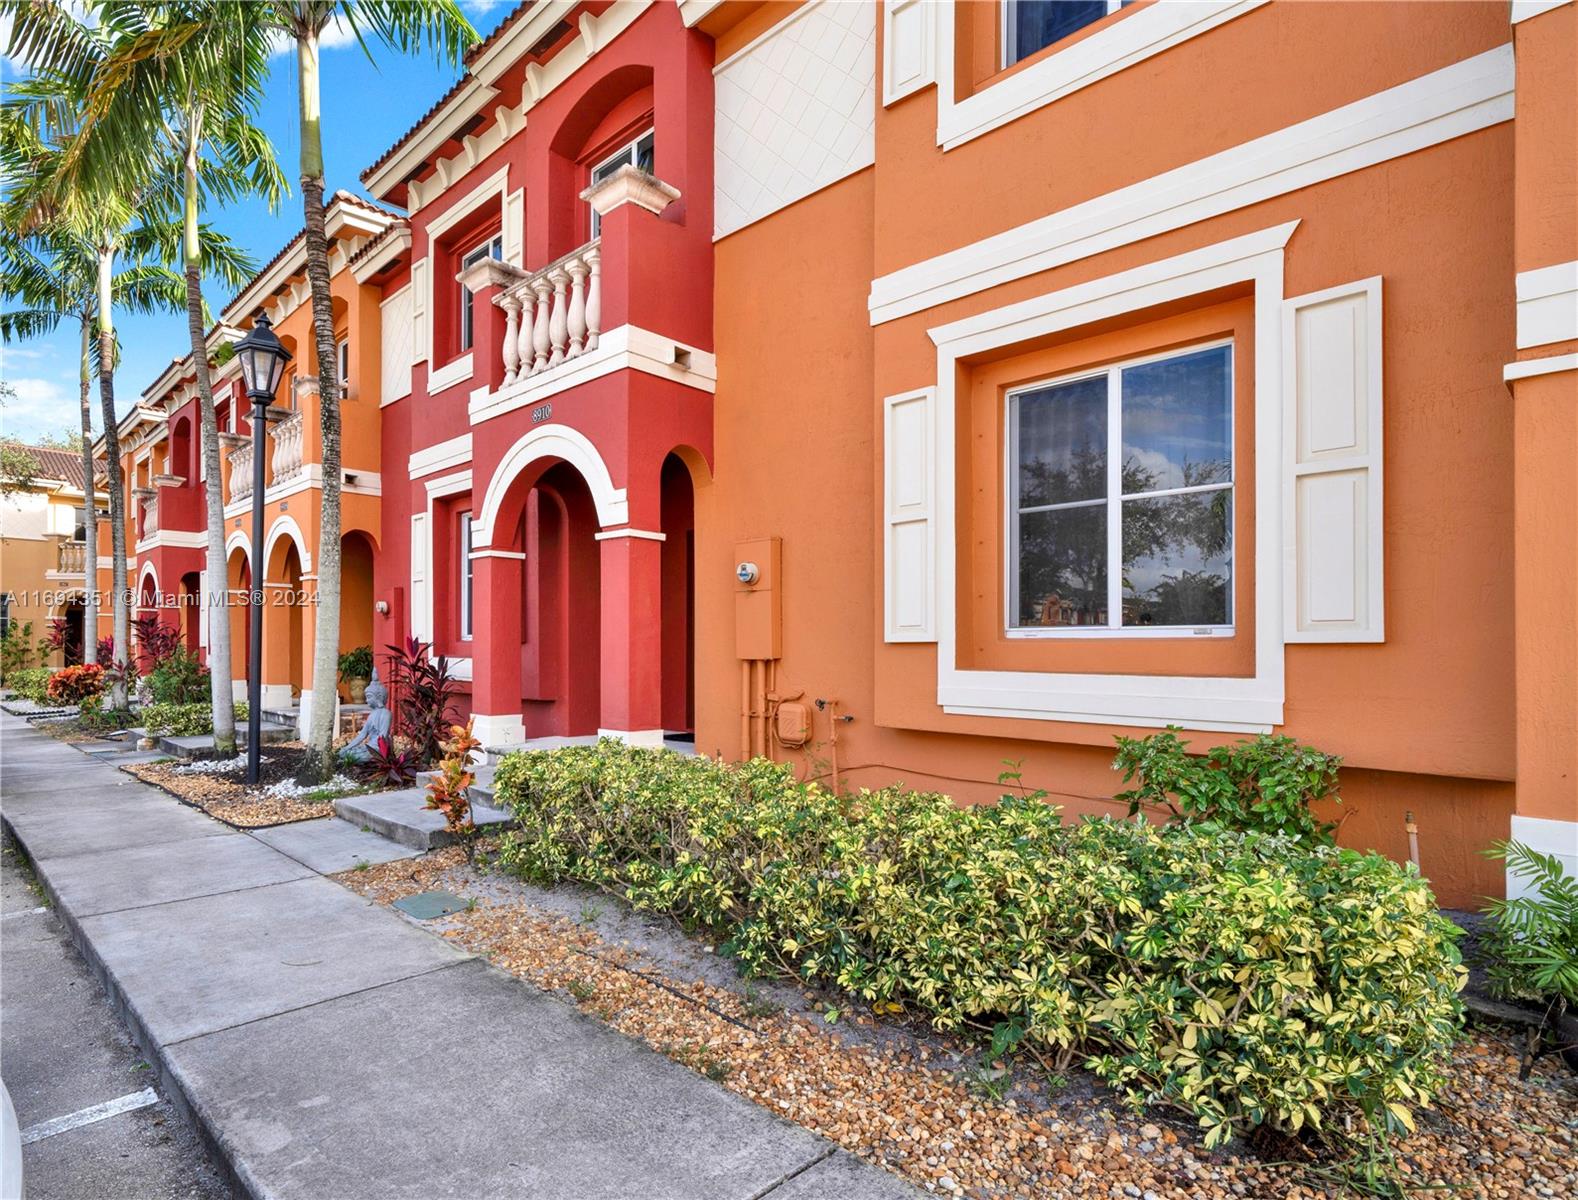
(326, 1048)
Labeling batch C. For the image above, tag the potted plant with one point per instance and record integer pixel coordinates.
(356, 668)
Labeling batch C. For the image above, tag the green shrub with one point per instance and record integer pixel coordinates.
(1532, 941)
(1244, 977)
(31, 683)
(16, 649)
(180, 679)
(183, 720)
(1266, 785)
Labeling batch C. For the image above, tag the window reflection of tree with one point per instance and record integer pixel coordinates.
(1063, 560)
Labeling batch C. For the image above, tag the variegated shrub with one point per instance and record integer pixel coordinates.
(1243, 977)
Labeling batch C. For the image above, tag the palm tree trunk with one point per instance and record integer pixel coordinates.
(90, 518)
(319, 761)
(122, 665)
(215, 595)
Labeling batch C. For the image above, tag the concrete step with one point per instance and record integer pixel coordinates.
(200, 744)
(404, 817)
(481, 791)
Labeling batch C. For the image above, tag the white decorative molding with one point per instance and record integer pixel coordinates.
(1547, 835)
(1547, 305)
(693, 12)
(285, 526)
(174, 539)
(909, 490)
(1139, 35)
(450, 374)
(1213, 703)
(627, 348)
(650, 535)
(909, 46)
(551, 441)
(477, 93)
(396, 243)
(440, 456)
(421, 326)
(630, 185)
(1522, 10)
(1434, 108)
(1332, 535)
(795, 110)
(517, 555)
(397, 329)
(1528, 368)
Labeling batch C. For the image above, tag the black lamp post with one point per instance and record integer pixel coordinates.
(263, 358)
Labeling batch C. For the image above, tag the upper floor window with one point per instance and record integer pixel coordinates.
(1031, 25)
(342, 364)
(1121, 496)
(638, 153)
(493, 248)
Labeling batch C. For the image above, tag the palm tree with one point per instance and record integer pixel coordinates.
(115, 210)
(184, 79)
(401, 25)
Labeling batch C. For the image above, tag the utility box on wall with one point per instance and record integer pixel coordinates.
(758, 598)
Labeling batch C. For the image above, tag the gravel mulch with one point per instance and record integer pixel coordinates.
(226, 797)
(926, 1108)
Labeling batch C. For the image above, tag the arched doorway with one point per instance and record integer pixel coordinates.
(238, 578)
(72, 613)
(560, 625)
(678, 508)
(356, 591)
(283, 627)
(189, 615)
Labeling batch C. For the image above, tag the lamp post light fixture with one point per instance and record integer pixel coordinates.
(263, 357)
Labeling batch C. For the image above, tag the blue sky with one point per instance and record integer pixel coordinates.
(367, 105)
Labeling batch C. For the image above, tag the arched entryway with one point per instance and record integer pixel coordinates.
(679, 601)
(71, 615)
(238, 579)
(357, 551)
(190, 613)
(284, 627)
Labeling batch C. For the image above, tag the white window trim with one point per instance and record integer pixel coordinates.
(1245, 704)
(465, 576)
(1473, 94)
(1547, 305)
(1140, 35)
(1114, 373)
(629, 148)
(482, 250)
(494, 187)
(446, 485)
(1007, 37)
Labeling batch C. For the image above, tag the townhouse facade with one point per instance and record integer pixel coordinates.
(44, 564)
(899, 389)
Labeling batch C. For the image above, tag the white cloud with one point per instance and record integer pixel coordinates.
(40, 407)
(334, 37)
(481, 7)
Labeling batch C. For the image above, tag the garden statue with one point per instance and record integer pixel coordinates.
(377, 726)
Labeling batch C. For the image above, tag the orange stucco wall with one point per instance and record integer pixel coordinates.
(1426, 721)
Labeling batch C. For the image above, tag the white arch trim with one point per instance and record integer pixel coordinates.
(285, 526)
(142, 578)
(238, 538)
(552, 441)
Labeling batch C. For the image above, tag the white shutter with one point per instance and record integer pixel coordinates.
(1332, 457)
(909, 482)
(203, 600)
(908, 47)
(421, 347)
(396, 331)
(514, 228)
(421, 596)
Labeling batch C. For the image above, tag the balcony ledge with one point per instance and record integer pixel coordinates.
(630, 185)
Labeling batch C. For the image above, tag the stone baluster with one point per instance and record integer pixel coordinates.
(241, 472)
(512, 350)
(528, 354)
(575, 325)
(592, 256)
(558, 324)
(541, 346)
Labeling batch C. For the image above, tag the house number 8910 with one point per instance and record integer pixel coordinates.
(541, 413)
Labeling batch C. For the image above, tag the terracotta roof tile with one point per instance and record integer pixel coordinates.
(471, 56)
(55, 464)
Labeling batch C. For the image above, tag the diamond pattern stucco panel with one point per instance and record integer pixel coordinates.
(796, 111)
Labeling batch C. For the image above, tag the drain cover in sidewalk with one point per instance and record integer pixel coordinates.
(424, 906)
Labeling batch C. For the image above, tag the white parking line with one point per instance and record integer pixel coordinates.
(88, 1116)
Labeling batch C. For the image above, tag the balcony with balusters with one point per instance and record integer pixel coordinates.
(638, 290)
